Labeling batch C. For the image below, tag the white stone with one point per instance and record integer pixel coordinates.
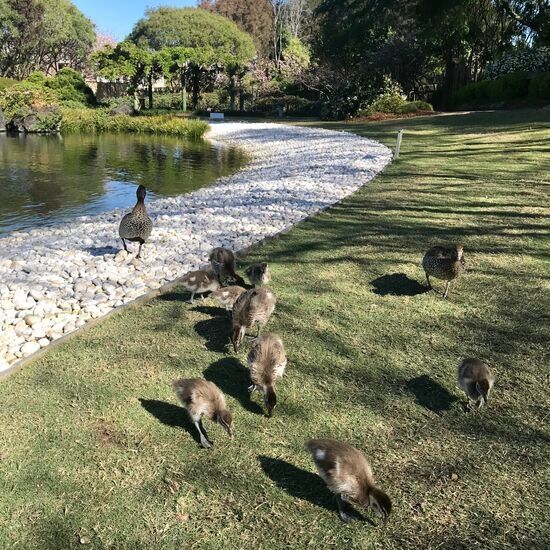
(29, 348)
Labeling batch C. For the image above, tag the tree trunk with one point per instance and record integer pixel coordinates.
(150, 90)
(232, 92)
(241, 101)
(196, 87)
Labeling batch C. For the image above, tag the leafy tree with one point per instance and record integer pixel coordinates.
(127, 61)
(251, 16)
(42, 35)
(533, 15)
(212, 43)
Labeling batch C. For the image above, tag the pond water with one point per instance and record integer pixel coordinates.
(48, 179)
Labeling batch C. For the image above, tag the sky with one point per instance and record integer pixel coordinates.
(117, 17)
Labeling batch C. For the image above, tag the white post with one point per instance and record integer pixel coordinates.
(398, 144)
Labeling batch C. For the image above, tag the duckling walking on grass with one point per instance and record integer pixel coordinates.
(137, 225)
(475, 378)
(228, 295)
(267, 362)
(445, 263)
(224, 265)
(253, 306)
(348, 475)
(200, 397)
(199, 282)
(258, 274)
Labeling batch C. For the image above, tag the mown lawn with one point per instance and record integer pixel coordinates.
(94, 449)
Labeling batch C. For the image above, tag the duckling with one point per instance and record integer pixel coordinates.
(348, 475)
(223, 263)
(475, 378)
(137, 225)
(267, 362)
(445, 263)
(199, 397)
(258, 274)
(199, 282)
(228, 295)
(254, 305)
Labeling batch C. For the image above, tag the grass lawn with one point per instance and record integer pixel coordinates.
(95, 449)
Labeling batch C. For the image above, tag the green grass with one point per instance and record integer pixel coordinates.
(99, 120)
(95, 447)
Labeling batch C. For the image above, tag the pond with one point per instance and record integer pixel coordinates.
(48, 179)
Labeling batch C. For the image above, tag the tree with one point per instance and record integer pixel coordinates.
(42, 35)
(533, 15)
(130, 62)
(251, 16)
(212, 42)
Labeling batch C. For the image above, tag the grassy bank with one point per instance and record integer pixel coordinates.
(99, 120)
(95, 449)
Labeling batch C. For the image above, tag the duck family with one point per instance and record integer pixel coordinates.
(344, 468)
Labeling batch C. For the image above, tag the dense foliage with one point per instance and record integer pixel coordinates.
(536, 60)
(42, 35)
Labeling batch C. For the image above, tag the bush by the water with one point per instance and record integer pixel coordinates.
(510, 87)
(99, 120)
(23, 98)
(414, 106)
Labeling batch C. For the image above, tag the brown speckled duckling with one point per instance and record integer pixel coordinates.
(445, 263)
(137, 225)
(228, 295)
(253, 306)
(267, 362)
(475, 378)
(348, 475)
(224, 265)
(200, 397)
(258, 274)
(199, 282)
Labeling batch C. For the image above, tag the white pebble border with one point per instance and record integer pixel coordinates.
(56, 279)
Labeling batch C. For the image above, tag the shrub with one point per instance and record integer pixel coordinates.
(22, 98)
(535, 60)
(211, 101)
(6, 82)
(414, 106)
(290, 104)
(510, 87)
(70, 86)
(99, 120)
(539, 87)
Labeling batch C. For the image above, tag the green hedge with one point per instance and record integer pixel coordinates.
(513, 86)
(6, 82)
(539, 87)
(414, 106)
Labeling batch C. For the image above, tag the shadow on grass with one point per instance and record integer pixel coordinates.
(430, 394)
(216, 332)
(170, 415)
(232, 378)
(212, 310)
(298, 482)
(397, 284)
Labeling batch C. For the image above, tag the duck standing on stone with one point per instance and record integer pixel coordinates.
(444, 262)
(258, 274)
(253, 306)
(348, 475)
(267, 362)
(224, 265)
(137, 225)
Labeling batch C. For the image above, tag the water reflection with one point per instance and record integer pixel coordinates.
(47, 179)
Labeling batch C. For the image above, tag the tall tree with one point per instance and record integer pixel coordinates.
(533, 15)
(251, 16)
(42, 35)
(216, 42)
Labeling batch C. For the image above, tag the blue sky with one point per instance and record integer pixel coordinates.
(117, 17)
